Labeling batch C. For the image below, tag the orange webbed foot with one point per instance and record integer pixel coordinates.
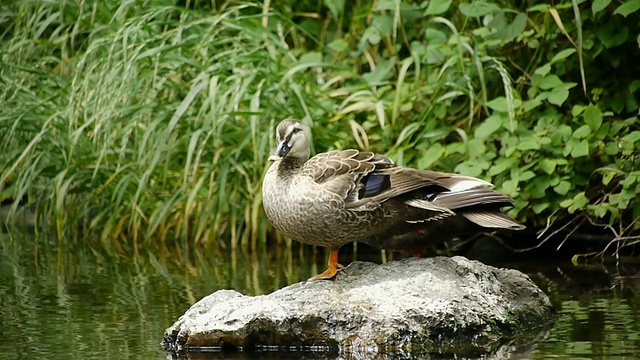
(332, 270)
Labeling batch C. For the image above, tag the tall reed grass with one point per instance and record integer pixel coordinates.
(152, 123)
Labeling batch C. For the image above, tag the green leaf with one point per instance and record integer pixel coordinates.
(550, 82)
(578, 202)
(603, 131)
(437, 7)
(543, 70)
(335, 6)
(510, 187)
(599, 5)
(469, 168)
(563, 187)
(477, 148)
(629, 6)
(599, 211)
(371, 35)
(434, 55)
(612, 36)
(593, 117)
(566, 203)
(628, 181)
(477, 8)
(386, 5)
(383, 23)
(611, 149)
(382, 72)
(580, 149)
(488, 127)
(435, 36)
(582, 132)
(312, 57)
(560, 136)
(498, 104)
(547, 165)
(339, 45)
(539, 8)
(558, 96)
(539, 187)
(455, 148)
(567, 148)
(632, 137)
(527, 175)
(530, 143)
(577, 110)
(433, 154)
(606, 178)
(497, 169)
(563, 55)
(529, 105)
(514, 29)
(538, 208)
(614, 199)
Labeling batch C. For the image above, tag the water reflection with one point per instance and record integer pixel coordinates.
(59, 303)
(82, 304)
(598, 312)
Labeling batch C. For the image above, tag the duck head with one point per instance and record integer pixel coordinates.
(293, 141)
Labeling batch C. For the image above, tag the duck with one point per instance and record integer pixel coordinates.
(341, 196)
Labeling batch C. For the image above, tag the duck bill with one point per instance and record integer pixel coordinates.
(281, 151)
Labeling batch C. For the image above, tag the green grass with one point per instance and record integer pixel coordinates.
(149, 124)
(155, 127)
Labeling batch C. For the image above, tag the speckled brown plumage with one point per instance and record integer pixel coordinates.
(341, 196)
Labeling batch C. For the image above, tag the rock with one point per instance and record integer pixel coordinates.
(434, 305)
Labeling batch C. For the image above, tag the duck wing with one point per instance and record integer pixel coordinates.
(349, 174)
(481, 206)
(364, 180)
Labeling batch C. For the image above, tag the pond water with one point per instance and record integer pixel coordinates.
(58, 303)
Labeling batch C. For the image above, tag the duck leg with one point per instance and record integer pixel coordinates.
(332, 270)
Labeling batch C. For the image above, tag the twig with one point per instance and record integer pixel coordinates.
(548, 236)
(570, 233)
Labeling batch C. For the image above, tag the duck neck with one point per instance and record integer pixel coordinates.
(291, 164)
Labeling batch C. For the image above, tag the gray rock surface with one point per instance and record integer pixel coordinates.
(434, 305)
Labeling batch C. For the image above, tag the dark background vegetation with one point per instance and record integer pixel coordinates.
(150, 122)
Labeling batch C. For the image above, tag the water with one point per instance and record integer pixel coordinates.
(63, 304)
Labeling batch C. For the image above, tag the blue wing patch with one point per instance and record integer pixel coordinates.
(374, 184)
